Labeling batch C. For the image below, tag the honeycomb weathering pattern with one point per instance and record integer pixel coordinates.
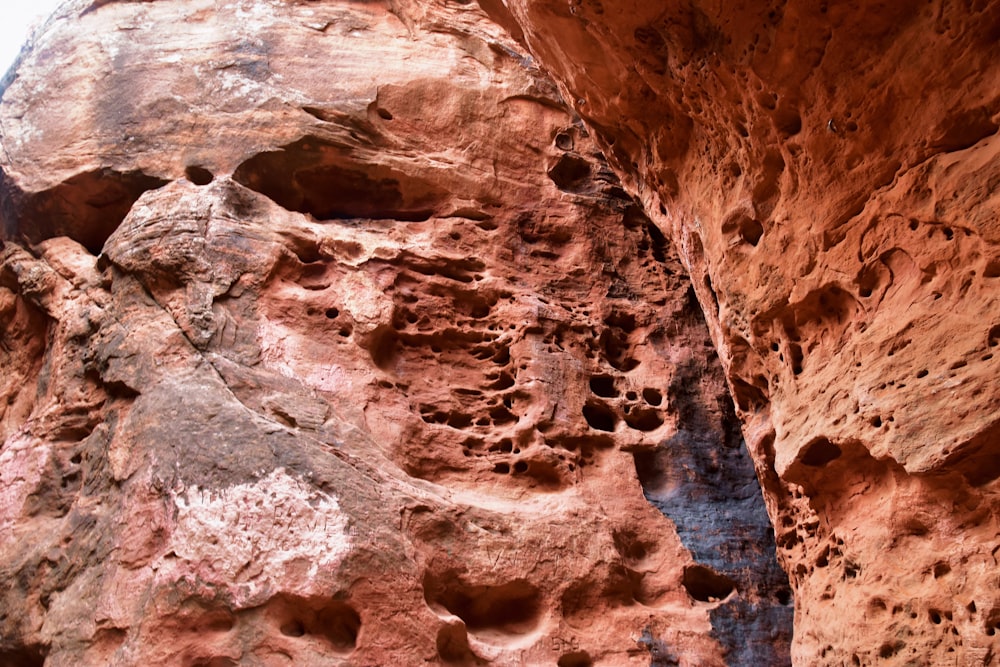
(329, 337)
(828, 174)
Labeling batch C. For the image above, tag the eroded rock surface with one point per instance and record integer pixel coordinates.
(330, 338)
(828, 173)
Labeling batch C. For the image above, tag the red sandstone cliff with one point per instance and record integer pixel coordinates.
(330, 338)
(828, 173)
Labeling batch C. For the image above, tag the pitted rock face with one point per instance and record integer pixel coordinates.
(828, 172)
(330, 338)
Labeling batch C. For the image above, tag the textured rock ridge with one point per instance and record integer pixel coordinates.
(828, 173)
(330, 338)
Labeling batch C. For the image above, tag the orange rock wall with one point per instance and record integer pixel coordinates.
(328, 337)
(828, 173)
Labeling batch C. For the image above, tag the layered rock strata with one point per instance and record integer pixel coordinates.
(828, 173)
(330, 338)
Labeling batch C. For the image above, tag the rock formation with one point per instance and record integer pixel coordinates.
(329, 337)
(828, 173)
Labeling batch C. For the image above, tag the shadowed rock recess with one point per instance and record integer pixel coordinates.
(330, 336)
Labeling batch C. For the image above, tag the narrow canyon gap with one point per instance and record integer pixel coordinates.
(330, 337)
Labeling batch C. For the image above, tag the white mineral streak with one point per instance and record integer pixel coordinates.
(255, 531)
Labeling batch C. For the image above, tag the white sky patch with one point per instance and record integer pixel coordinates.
(17, 18)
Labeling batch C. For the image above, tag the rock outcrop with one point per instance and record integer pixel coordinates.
(328, 337)
(828, 173)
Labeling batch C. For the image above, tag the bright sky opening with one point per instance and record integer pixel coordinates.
(17, 17)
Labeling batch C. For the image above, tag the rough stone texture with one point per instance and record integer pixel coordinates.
(828, 173)
(328, 337)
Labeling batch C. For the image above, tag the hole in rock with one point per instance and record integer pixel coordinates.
(784, 596)
(576, 659)
(603, 386)
(506, 445)
(24, 656)
(788, 121)
(600, 417)
(706, 585)
(199, 175)
(889, 650)
(620, 320)
(458, 420)
(869, 279)
(87, 208)
(992, 269)
(751, 231)
(333, 621)
(795, 352)
(332, 313)
(503, 381)
(819, 452)
(993, 337)
(502, 356)
(658, 240)
(644, 420)
(511, 608)
(502, 468)
(616, 351)
(381, 345)
(293, 628)
(316, 177)
(521, 467)
(501, 415)
(564, 141)
(384, 114)
(652, 396)
(570, 172)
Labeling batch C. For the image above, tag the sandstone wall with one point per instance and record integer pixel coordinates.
(329, 337)
(828, 173)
